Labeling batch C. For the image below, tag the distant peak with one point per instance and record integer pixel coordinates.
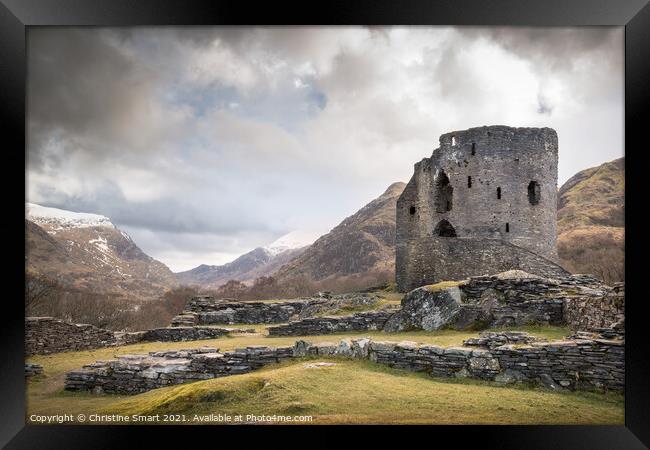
(396, 187)
(290, 241)
(61, 218)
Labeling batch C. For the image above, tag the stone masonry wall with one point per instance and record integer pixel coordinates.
(593, 312)
(44, 335)
(584, 363)
(494, 182)
(132, 374)
(362, 321)
(429, 260)
(208, 310)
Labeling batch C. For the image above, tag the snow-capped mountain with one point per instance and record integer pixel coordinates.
(59, 219)
(261, 261)
(87, 251)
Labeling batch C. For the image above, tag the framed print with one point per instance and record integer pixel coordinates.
(285, 220)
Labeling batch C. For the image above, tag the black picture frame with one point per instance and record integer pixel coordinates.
(17, 15)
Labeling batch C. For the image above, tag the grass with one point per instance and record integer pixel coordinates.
(354, 391)
(350, 392)
(442, 285)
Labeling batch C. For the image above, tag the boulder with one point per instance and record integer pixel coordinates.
(425, 309)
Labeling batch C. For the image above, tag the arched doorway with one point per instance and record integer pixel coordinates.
(444, 229)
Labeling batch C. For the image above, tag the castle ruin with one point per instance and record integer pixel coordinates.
(484, 202)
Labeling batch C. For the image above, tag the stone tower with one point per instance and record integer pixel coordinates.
(484, 202)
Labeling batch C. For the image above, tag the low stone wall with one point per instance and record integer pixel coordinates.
(132, 374)
(33, 369)
(44, 335)
(208, 311)
(362, 321)
(203, 310)
(175, 334)
(584, 363)
(591, 312)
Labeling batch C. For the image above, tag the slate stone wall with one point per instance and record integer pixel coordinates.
(587, 362)
(44, 335)
(592, 312)
(362, 321)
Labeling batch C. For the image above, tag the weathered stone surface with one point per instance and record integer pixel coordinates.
(490, 339)
(423, 309)
(484, 202)
(598, 308)
(44, 335)
(511, 298)
(363, 321)
(592, 364)
(204, 310)
(195, 333)
(32, 369)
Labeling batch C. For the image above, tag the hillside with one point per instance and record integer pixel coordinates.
(357, 253)
(87, 252)
(591, 221)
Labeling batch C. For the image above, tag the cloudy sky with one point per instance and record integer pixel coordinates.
(204, 143)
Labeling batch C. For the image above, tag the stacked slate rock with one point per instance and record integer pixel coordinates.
(132, 374)
(511, 298)
(32, 369)
(45, 335)
(580, 363)
(363, 321)
(490, 339)
(208, 310)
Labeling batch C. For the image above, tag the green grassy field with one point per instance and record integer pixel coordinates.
(350, 391)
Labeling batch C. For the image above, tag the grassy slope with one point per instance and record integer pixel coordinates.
(350, 391)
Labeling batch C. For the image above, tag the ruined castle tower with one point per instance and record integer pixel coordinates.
(484, 202)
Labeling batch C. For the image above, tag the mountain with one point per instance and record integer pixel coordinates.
(358, 252)
(87, 252)
(591, 221)
(262, 261)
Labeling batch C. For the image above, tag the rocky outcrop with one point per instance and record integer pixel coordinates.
(581, 363)
(510, 298)
(44, 335)
(426, 308)
(363, 321)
